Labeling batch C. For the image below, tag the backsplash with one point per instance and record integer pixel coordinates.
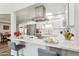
(50, 28)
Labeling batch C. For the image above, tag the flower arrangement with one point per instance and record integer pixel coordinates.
(17, 34)
(68, 35)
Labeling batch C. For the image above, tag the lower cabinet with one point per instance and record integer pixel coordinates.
(29, 50)
(32, 50)
(71, 53)
(63, 52)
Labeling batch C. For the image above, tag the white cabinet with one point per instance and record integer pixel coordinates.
(76, 21)
(32, 49)
(28, 27)
(21, 28)
(64, 52)
(71, 14)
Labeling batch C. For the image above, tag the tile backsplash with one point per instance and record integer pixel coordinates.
(50, 28)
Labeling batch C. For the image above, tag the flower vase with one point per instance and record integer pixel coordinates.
(17, 37)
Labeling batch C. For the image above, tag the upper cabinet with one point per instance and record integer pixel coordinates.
(71, 14)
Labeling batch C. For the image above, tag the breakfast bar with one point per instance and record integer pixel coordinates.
(33, 43)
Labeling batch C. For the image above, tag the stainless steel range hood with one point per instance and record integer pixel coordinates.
(40, 12)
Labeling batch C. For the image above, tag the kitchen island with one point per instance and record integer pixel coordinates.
(32, 44)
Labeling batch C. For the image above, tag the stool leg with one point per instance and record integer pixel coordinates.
(22, 53)
(17, 53)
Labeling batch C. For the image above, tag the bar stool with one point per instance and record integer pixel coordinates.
(15, 47)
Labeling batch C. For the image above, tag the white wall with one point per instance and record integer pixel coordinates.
(1, 28)
(77, 20)
(18, 6)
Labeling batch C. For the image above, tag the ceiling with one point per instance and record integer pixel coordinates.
(7, 8)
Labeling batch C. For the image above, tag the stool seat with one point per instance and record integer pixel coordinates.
(19, 46)
(15, 47)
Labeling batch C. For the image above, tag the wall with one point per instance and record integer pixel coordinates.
(77, 20)
(1, 28)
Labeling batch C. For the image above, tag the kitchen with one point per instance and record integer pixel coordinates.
(43, 26)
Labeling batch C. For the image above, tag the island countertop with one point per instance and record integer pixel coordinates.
(66, 46)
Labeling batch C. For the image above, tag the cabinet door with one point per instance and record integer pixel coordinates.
(71, 53)
(71, 14)
(32, 49)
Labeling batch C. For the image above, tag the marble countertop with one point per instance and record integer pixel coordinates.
(68, 45)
